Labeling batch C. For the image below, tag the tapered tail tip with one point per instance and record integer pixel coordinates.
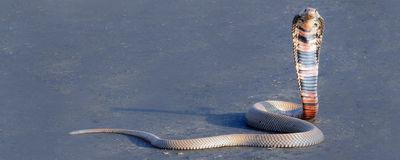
(77, 132)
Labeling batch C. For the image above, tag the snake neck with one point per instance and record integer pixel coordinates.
(307, 29)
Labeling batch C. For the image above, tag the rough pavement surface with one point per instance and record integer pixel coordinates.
(189, 69)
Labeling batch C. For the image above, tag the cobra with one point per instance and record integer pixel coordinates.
(288, 120)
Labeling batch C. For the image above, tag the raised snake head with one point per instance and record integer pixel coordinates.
(309, 14)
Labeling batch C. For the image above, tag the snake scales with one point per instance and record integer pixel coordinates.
(277, 116)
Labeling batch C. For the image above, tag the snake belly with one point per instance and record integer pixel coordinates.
(285, 118)
(307, 32)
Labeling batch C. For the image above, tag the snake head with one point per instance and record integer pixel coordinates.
(309, 14)
(310, 19)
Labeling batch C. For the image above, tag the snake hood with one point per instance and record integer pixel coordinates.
(307, 33)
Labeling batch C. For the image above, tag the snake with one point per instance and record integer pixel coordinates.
(288, 124)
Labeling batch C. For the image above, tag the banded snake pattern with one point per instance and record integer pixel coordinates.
(289, 119)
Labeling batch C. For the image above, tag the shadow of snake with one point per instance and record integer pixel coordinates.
(230, 120)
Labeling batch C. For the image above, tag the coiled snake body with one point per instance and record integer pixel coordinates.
(277, 116)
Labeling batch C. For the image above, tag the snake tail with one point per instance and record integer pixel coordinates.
(268, 115)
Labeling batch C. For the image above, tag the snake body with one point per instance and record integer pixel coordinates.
(277, 116)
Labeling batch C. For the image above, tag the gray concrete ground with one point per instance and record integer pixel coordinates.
(189, 69)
